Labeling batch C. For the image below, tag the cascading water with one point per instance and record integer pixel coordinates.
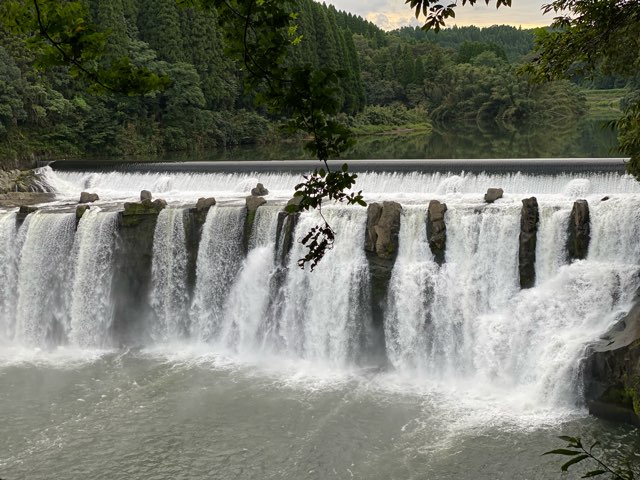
(465, 322)
(324, 313)
(43, 275)
(551, 252)
(8, 268)
(248, 299)
(170, 297)
(410, 293)
(91, 302)
(219, 260)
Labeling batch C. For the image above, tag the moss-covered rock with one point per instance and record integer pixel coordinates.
(529, 219)
(134, 212)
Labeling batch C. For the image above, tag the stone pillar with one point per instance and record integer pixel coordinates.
(253, 203)
(529, 219)
(437, 230)
(579, 231)
(381, 248)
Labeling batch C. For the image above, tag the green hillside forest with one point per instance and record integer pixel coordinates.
(400, 81)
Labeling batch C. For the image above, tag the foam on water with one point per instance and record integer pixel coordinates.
(406, 187)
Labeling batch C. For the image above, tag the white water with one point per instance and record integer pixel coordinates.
(404, 187)
(246, 305)
(169, 294)
(323, 314)
(8, 269)
(464, 328)
(91, 302)
(219, 260)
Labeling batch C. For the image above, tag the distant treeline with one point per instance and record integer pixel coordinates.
(402, 77)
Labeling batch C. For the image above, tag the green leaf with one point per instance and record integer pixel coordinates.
(562, 451)
(593, 473)
(573, 461)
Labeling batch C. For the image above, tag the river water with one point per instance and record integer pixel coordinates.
(242, 377)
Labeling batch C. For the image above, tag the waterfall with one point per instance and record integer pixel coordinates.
(410, 293)
(91, 302)
(169, 295)
(219, 260)
(465, 323)
(248, 299)
(44, 270)
(8, 268)
(323, 312)
(551, 251)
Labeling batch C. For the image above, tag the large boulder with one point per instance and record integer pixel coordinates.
(205, 203)
(529, 219)
(437, 230)
(383, 228)
(579, 231)
(259, 191)
(611, 372)
(86, 197)
(254, 202)
(134, 212)
(493, 194)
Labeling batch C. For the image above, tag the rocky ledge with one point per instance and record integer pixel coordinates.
(612, 372)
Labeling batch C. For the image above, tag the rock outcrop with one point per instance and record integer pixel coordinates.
(134, 212)
(86, 197)
(579, 231)
(437, 230)
(381, 248)
(383, 227)
(253, 203)
(19, 199)
(530, 216)
(611, 372)
(493, 194)
(145, 195)
(259, 191)
(21, 181)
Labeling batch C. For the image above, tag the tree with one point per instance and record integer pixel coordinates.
(587, 37)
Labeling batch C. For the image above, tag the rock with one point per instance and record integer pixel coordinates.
(493, 194)
(254, 202)
(529, 218)
(604, 199)
(80, 211)
(145, 195)
(134, 212)
(579, 231)
(259, 191)
(205, 203)
(26, 210)
(86, 197)
(295, 201)
(437, 230)
(611, 372)
(18, 199)
(383, 227)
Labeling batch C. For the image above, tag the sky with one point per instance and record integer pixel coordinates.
(390, 14)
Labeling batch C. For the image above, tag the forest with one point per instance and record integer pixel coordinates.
(406, 78)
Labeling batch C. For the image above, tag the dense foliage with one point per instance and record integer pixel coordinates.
(179, 56)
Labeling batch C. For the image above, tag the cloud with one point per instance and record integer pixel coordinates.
(390, 14)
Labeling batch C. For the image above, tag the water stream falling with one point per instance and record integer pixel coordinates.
(91, 303)
(466, 322)
(170, 296)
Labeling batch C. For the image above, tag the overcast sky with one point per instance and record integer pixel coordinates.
(390, 14)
